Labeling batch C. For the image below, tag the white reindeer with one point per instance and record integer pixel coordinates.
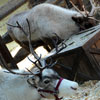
(46, 19)
(43, 82)
(16, 87)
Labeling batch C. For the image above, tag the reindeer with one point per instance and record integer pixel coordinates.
(18, 87)
(46, 19)
(37, 83)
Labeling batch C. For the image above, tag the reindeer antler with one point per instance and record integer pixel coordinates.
(86, 14)
(40, 63)
(31, 50)
(93, 8)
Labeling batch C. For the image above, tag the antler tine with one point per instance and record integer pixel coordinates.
(86, 14)
(30, 45)
(77, 9)
(34, 62)
(10, 71)
(93, 8)
(51, 64)
(28, 37)
(55, 43)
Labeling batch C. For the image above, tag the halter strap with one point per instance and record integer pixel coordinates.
(58, 84)
(56, 96)
(52, 92)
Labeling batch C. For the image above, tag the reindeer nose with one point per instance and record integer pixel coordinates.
(74, 87)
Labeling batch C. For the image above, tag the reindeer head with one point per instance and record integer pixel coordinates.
(49, 84)
(84, 22)
(85, 19)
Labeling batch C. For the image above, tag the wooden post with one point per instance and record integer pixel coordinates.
(9, 7)
(6, 55)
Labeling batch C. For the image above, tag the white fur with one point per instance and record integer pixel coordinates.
(66, 85)
(15, 87)
(47, 72)
(45, 19)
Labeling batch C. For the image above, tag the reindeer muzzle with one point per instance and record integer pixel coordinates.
(55, 93)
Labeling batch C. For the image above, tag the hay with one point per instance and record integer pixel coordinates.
(88, 91)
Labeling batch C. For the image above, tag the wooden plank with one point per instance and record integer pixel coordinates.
(64, 69)
(3, 62)
(94, 51)
(9, 7)
(94, 63)
(76, 63)
(90, 42)
(6, 54)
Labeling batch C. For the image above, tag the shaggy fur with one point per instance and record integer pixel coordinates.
(45, 20)
(16, 87)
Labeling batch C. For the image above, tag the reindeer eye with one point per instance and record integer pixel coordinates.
(46, 81)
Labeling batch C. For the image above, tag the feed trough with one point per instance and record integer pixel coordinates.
(80, 60)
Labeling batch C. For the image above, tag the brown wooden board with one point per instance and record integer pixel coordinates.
(5, 54)
(80, 59)
(9, 7)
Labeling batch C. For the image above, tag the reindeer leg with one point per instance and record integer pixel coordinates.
(51, 42)
(48, 45)
(54, 41)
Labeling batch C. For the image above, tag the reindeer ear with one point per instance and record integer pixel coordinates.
(33, 80)
(37, 79)
(78, 19)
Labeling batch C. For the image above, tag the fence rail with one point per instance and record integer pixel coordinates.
(9, 7)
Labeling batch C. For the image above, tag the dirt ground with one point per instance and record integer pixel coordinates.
(88, 91)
